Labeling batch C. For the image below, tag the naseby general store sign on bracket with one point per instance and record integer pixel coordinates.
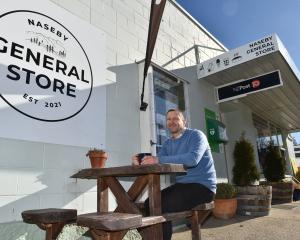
(245, 53)
(52, 67)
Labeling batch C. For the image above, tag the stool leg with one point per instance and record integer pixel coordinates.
(52, 230)
(99, 235)
(196, 234)
(103, 235)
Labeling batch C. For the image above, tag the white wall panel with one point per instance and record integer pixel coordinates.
(43, 170)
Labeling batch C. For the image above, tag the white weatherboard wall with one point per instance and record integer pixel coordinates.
(36, 174)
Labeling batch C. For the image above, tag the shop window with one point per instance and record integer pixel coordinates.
(168, 94)
(267, 133)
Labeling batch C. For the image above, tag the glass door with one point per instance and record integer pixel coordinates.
(168, 94)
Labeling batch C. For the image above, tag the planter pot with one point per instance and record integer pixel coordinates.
(254, 200)
(225, 208)
(282, 192)
(97, 159)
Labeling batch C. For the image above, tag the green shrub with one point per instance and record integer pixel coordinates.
(274, 167)
(244, 171)
(225, 191)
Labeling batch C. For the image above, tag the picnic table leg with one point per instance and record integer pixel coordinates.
(123, 199)
(102, 196)
(135, 190)
(155, 231)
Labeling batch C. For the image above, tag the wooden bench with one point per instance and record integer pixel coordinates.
(52, 220)
(114, 225)
(110, 225)
(196, 216)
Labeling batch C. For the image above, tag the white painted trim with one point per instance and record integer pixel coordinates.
(152, 111)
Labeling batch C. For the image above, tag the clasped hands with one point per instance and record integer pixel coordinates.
(145, 160)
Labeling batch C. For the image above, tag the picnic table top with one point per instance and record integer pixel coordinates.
(129, 171)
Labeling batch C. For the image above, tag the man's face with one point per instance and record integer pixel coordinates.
(175, 122)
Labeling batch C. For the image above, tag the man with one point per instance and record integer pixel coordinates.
(189, 147)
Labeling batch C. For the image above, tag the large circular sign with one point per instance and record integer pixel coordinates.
(45, 73)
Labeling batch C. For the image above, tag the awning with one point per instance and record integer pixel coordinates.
(279, 104)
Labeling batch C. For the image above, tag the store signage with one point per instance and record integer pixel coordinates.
(211, 131)
(50, 69)
(44, 63)
(217, 131)
(243, 87)
(239, 55)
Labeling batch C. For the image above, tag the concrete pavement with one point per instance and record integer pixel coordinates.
(282, 223)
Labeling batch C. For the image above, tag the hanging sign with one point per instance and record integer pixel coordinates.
(243, 87)
(52, 67)
(245, 53)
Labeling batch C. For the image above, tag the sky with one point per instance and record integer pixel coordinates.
(238, 22)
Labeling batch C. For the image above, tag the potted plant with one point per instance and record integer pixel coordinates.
(252, 199)
(97, 157)
(225, 201)
(244, 171)
(274, 171)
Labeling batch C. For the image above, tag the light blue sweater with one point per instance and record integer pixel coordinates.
(192, 150)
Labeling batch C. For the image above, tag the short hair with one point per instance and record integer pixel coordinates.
(180, 113)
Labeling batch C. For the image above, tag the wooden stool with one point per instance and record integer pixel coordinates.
(52, 220)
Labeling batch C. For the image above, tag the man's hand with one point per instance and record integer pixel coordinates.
(149, 160)
(135, 160)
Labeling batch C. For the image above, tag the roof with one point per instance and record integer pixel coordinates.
(281, 104)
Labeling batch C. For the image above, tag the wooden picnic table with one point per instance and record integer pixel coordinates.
(146, 175)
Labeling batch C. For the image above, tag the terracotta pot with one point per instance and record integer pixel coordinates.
(97, 159)
(225, 208)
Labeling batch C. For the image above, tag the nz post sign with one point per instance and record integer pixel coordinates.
(52, 72)
(243, 87)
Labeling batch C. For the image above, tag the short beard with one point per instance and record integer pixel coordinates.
(178, 131)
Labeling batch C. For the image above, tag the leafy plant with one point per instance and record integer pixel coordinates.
(95, 151)
(274, 167)
(225, 191)
(244, 171)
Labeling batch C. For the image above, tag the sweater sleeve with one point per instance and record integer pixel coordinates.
(197, 145)
(163, 151)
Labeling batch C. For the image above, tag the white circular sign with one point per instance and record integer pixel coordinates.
(45, 73)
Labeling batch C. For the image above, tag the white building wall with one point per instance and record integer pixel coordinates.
(36, 175)
(236, 122)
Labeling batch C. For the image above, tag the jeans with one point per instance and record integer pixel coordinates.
(181, 197)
